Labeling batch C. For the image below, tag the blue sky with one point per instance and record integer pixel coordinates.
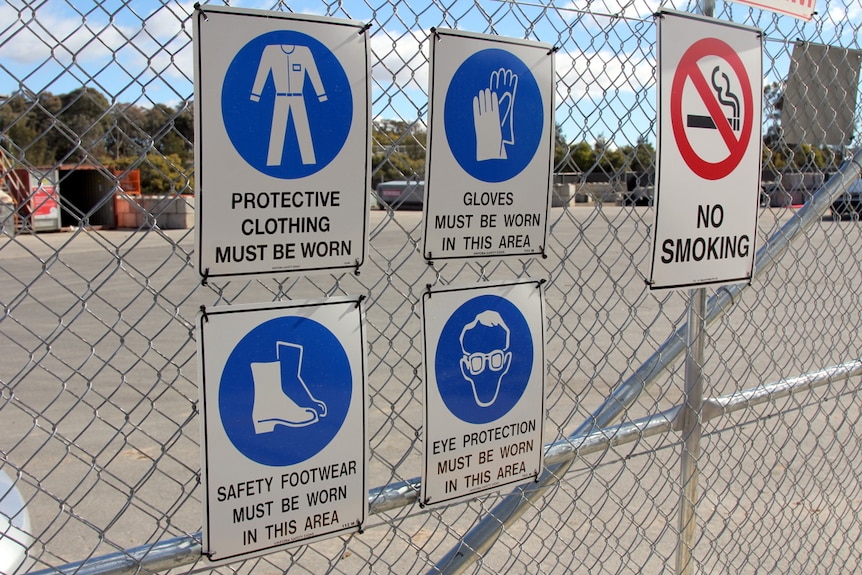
(140, 51)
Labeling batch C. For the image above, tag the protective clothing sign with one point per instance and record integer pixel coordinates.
(282, 128)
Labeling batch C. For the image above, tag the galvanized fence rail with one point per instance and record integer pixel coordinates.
(98, 381)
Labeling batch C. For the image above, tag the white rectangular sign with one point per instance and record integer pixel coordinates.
(282, 127)
(490, 146)
(484, 389)
(709, 142)
(802, 9)
(282, 390)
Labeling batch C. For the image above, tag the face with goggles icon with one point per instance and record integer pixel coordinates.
(486, 359)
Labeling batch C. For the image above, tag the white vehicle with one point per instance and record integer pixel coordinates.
(15, 532)
(402, 194)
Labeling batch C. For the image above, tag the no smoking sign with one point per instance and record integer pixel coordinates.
(709, 141)
(726, 93)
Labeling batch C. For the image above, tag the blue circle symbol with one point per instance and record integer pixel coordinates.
(484, 359)
(285, 391)
(493, 115)
(286, 104)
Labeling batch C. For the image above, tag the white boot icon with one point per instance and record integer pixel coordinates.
(272, 404)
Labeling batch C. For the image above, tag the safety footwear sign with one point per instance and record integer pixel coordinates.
(490, 146)
(484, 389)
(283, 408)
(281, 144)
(709, 142)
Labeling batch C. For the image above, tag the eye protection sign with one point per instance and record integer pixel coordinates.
(484, 389)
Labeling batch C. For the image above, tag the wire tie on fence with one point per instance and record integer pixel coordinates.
(205, 279)
(428, 290)
(359, 301)
(356, 267)
(647, 282)
(204, 14)
(204, 313)
(540, 282)
(365, 28)
(552, 50)
(729, 294)
(544, 254)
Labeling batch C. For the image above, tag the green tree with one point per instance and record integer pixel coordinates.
(127, 135)
(807, 158)
(773, 101)
(82, 125)
(582, 157)
(160, 174)
(24, 123)
(171, 129)
(561, 149)
(397, 152)
(609, 160)
(640, 157)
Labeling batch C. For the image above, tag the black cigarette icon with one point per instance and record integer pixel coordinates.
(695, 121)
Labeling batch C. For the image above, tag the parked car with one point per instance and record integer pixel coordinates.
(849, 204)
(640, 189)
(401, 194)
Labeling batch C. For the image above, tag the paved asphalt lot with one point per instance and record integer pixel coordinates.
(100, 366)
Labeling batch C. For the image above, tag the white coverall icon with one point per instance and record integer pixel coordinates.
(289, 65)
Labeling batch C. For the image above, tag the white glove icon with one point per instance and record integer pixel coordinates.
(494, 115)
(504, 83)
(486, 121)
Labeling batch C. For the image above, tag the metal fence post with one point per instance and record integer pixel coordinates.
(691, 409)
(691, 420)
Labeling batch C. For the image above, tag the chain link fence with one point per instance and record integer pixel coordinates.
(98, 390)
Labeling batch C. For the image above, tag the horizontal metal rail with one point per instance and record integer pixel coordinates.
(173, 553)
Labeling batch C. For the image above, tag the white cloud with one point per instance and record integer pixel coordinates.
(164, 43)
(596, 73)
(145, 46)
(400, 60)
(35, 35)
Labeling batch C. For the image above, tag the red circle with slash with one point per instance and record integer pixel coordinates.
(688, 69)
